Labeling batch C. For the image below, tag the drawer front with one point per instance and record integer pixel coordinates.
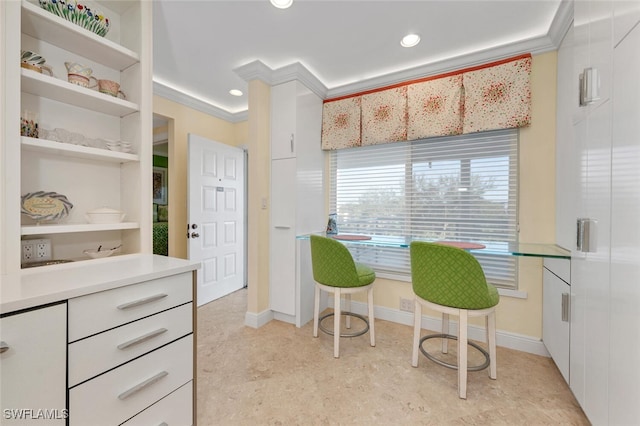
(175, 409)
(120, 394)
(560, 267)
(101, 311)
(94, 355)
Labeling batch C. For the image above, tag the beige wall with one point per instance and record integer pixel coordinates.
(537, 193)
(183, 120)
(536, 210)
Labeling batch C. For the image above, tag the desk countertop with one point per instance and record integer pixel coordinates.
(497, 248)
(38, 286)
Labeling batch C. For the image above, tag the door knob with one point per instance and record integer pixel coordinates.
(194, 235)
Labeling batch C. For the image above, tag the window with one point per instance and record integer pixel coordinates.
(447, 188)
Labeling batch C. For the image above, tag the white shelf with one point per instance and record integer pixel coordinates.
(44, 25)
(72, 94)
(76, 151)
(75, 227)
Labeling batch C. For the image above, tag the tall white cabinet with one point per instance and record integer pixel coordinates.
(297, 194)
(89, 176)
(597, 180)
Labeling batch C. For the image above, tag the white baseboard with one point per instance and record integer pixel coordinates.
(259, 319)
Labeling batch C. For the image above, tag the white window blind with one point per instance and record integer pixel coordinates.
(461, 188)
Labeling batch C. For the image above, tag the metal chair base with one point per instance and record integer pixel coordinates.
(454, 366)
(350, 334)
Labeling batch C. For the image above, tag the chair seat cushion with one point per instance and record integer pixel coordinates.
(366, 275)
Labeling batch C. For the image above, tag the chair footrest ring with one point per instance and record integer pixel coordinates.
(351, 334)
(454, 366)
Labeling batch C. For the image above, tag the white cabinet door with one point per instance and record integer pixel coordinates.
(555, 317)
(624, 370)
(283, 236)
(33, 367)
(283, 120)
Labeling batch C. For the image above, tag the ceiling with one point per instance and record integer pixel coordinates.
(202, 49)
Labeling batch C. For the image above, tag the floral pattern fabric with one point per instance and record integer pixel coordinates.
(435, 108)
(490, 97)
(341, 122)
(384, 116)
(498, 97)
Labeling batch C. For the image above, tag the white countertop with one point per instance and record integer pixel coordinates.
(38, 286)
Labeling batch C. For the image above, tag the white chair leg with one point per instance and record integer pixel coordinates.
(347, 308)
(462, 354)
(316, 311)
(445, 330)
(491, 342)
(336, 323)
(372, 327)
(417, 320)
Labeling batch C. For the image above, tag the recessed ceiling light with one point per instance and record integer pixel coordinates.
(235, 92)
(410, 40)
(282, 4)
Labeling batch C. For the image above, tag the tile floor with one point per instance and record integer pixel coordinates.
(281, 375)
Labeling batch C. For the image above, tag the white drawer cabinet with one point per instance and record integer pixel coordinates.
(32, 367)
(129, 349)
(114, 397)
(556, 327)
(97, 312)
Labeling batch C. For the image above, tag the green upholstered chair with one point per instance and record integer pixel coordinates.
(451, 281)
(335, 271)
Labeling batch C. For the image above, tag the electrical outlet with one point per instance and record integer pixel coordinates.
(406, 305)
(36, 250)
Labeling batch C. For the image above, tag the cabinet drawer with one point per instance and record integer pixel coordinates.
(174, 409)
(101, 311)
(94, 355)
(118, 395)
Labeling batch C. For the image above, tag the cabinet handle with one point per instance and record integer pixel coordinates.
(164, 424)
(4, 346)
(137, 388)
(142, 338)
(565, 307)
(291, 142)
(142, 301)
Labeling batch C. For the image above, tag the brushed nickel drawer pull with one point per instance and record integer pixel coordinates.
(3, 347)
(142, 338)
(565, 307)
(142, 301)
(137, 388)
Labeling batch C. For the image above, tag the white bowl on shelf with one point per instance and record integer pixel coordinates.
(99, 253)
(104, 215)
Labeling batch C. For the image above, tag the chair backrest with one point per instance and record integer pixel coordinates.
(332, 263)
(450, 276)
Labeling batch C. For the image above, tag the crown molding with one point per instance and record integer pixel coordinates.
(257, 70)
(561, 22)
(197, 104)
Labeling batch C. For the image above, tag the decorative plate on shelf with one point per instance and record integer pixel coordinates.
(79, 14)
(42, 205)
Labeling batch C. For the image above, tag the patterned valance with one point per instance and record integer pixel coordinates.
(487, 97)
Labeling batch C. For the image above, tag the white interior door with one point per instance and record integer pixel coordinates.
(216, 205)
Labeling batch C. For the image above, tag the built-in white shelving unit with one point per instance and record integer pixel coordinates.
(89, 177)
